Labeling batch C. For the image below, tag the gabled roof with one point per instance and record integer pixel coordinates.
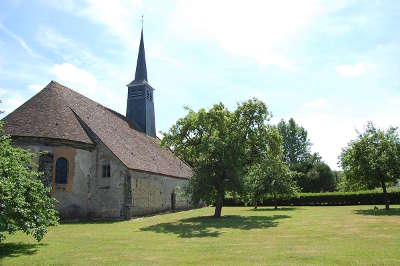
(58, 112)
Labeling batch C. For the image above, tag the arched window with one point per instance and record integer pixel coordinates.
(61, 170)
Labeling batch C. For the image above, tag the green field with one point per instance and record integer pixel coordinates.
(289, 236)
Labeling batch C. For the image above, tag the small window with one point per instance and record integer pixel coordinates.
(106, 170)
(61, 170)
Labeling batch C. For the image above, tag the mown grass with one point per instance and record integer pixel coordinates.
(348, 235)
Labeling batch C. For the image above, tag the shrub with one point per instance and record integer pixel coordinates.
(329, 198)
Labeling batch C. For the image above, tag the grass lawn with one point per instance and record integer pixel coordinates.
(291, 235)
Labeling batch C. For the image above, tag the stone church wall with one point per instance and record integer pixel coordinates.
(151, 193)
(72, 198)
(87, 194)
(106, 197)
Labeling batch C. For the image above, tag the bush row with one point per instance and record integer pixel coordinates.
(329, 198)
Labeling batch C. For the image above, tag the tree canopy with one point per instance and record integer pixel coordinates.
(373, 158)
(270, 174)
(25, 204)
(219, 145)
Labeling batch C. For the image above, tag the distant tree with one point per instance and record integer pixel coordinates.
(219, 145)
(270, 175)
(311, 173)
(281, 181)
(373, 158)
(351, 184)
(256, 179)
(296, 144)
(320, 178)
(25, 204)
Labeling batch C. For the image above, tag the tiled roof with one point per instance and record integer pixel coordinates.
(61, 113)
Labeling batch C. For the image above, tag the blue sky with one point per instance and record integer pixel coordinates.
(331, 65)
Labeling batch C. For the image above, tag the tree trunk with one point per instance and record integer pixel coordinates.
(385, 194)
(218, 204)
(275, 202)
(255, 205)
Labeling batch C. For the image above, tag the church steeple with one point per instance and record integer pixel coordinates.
(141, 69)
(140, 105)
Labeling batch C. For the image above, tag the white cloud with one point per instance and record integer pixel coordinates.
(253, 29)
(10, 100)
(75, 77)
(35, 87)
(86, 83)
(351, 71)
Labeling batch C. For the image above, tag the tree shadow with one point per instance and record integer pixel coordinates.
(379, 212)
(206, 226)
(270, 209)
(18, 249)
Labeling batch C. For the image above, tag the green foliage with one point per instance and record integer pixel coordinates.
(369, 197)
(373, 159)
(25, 204)
(271, 175)
(296, 144)
(311, 174)
(220, 146)
(207, 141)
(320, 178)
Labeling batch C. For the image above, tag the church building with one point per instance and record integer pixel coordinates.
(100, 163)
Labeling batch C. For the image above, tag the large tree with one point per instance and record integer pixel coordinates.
(373, 158)
(218, 145)
(25, 204)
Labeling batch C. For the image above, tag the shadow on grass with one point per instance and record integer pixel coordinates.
(270, 209)
(18, 249)
(379, 212)
(206, 226)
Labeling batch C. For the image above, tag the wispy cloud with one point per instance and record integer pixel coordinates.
(19, 40)
(117, 16)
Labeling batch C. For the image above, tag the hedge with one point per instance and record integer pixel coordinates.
(328, 198)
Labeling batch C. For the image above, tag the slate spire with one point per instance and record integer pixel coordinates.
(141, 69)
(140, 104)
